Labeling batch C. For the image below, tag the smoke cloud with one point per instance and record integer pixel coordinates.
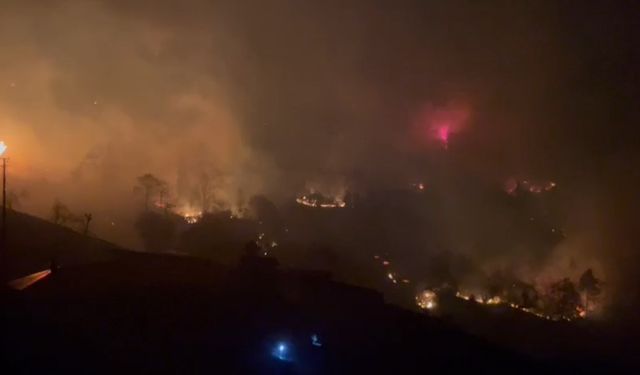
(281, 97)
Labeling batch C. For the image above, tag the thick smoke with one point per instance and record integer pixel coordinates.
(280, 97)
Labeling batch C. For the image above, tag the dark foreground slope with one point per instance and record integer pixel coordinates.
(170, 314)
(107, 310)
(167, 314)
(33, 243)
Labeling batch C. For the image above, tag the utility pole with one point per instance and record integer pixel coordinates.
(4, 200)
(3, 241)
(3, 230)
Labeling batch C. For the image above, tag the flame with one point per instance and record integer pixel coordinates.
(427, 300)
(192, 219)
(497, 300)
(494, 300)
(309, 202)
(191, 216)
(512, 185)
(582, 312)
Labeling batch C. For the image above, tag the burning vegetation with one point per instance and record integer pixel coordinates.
(427, 300)
(561, 300)
(515, 186)
(318, 200)
(190, 216)
(165, 213)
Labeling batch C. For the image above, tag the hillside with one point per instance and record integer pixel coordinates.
(107, 309)
(161, 313)
(33, 243)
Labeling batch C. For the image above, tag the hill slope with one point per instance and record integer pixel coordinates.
(32, 244)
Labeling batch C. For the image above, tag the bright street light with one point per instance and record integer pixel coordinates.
(3, 148)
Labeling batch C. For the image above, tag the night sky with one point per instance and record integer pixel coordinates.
(278, 97)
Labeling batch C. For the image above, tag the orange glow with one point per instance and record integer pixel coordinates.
(25, 282)
(427, 300)
(309, 202)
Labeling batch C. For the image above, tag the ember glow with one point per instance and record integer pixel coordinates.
(513, 186)
(539, 312)
(318, 201)
(391, 276)
(192, 218)
(427, 300)
(190, 215)
(445, 147)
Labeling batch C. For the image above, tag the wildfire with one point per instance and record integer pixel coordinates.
(582, 312)
(190, 216)
(497, 300)
(469, 297)
(512, 186)
(392, 277)
(427, 300)
(192, 219)
(494, 300)
(311, 201)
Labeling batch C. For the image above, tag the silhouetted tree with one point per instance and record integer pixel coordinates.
(150, 185)
(241, 200)
(60, 213)
(590, 286)
(439, 269)
(267, 214)
(163, 195)
(87, 220)
(14, 198)
(205, 189)
(218, 237)
(565, 298)
(529, 295)
(168, 207)
(497, 284)
(350, 199)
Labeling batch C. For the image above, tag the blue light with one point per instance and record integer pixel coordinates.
(315, 341)
(282, 352)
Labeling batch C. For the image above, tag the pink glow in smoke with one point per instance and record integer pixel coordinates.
(443, 132)
(440, 123)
